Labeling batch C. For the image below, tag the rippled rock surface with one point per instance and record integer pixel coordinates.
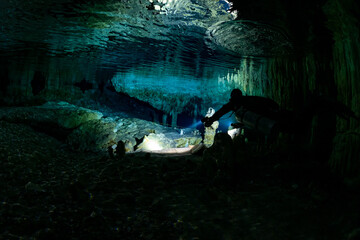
(247, 38)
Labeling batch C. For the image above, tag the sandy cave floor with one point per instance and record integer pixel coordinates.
(48, 191)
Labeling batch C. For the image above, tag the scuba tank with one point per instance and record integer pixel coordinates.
(258, 122)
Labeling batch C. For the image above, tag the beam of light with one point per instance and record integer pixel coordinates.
(156, 147)
(152, 145)
(233, 132)
(169, 152)
(194, 125)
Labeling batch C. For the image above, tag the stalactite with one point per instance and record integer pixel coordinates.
(195, 113)
(164, 119)
(250, 77)
(173, 118)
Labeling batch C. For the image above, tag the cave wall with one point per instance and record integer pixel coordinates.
(33, 80)
(325, 65)
(320, 74)
(343, 21)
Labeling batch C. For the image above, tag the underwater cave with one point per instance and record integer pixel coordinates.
(104, 106)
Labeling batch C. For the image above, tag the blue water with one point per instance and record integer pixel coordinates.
(195, 125)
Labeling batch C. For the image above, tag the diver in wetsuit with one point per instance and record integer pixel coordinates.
(265, 116)
(259, 107)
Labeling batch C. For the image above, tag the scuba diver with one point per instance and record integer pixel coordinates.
(259, 113)
(265, 116)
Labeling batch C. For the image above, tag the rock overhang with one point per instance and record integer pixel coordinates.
(177, 49)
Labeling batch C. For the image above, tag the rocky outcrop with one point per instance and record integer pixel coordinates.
(106, 132)
(166, 141)
(61, 114)
(87, 130)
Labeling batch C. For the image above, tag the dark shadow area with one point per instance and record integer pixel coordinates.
(230, 191)
(84, 85)
(38, 82)
(52, 130)
(4, 80)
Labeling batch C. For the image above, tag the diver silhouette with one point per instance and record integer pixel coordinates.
(259, 113)
(265, 116)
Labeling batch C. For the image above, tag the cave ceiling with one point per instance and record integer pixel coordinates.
(193, 39)
(132, 33)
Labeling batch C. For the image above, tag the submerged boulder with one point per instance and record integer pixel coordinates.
(188, 141)
(93, 135)
(87, 130)
(156, 142)
(61, 114)
(100, 134)
(71, 116)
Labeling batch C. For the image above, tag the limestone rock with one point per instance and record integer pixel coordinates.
(168, 140)
(156, 142)
(186, 141)
(87, 130)
(93, 135)
(60, 114)
(71, 116)
(100, 134)
(210, 134)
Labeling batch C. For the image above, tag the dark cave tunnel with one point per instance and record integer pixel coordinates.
(101, 105)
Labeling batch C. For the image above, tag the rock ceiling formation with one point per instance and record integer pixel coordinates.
(155, 50)
(168, 34)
